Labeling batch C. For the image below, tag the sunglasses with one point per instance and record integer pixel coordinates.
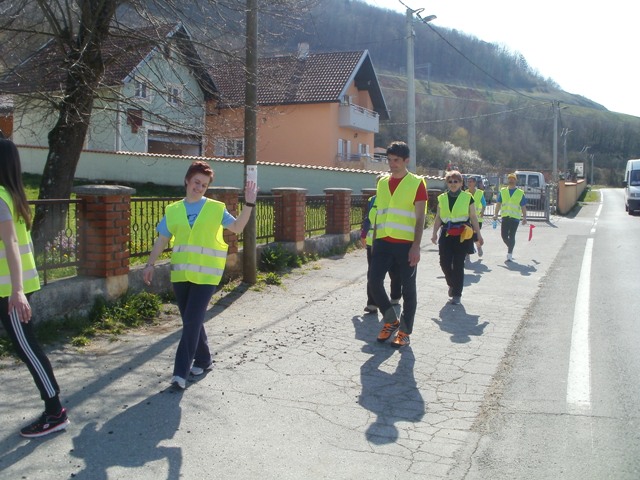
(452, 181)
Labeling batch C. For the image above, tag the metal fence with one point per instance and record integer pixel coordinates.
(358, 206)
(59, 255)
(60, 250)
(315, 221)
(539, 204)
(146, 212)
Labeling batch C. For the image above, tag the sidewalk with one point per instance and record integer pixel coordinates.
(300, 388)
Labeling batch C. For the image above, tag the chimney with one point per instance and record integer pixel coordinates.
(303, 50)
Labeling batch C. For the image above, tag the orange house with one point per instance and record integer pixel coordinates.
(318, 109)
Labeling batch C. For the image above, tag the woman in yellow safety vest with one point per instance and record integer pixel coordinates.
(199, 255)
(18, 279)
(456, 222)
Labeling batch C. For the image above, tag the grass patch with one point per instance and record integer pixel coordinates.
(590, 194)
(112, 319)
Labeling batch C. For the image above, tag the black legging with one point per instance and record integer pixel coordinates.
(452, 254)
(508, 231)
(30, 352)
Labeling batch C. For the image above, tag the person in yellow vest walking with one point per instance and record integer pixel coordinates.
(456, 222)
(18, 279)
(512, 203)
(401, 200)
(197, 262)
(366, 237)
(481, 204)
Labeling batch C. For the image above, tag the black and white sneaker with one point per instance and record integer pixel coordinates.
(46, 424)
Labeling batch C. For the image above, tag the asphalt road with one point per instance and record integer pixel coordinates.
(302, 390)
(544, 420)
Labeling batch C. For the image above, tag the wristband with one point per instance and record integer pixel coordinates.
(150, 265)
(249, 204)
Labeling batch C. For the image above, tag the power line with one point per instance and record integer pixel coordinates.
(473, 117)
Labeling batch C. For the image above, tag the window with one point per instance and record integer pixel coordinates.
(174, 96)
(142, 91)
(229, 147)
(363, 149)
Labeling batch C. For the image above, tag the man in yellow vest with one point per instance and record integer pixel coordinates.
(513, 203)
(401, 200)
(480, 204)
(366, 236)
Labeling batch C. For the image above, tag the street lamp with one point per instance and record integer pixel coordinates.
(411, 87)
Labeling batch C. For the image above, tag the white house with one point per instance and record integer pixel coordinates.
(151, 97)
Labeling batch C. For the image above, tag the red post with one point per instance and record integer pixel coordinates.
(290, 208)
(338, 210)
(104, 228)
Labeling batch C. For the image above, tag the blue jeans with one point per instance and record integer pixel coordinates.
(193, 300)
(386, 257)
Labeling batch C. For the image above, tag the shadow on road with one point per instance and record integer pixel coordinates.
(455, 320)
(389, 388)
(132, 438)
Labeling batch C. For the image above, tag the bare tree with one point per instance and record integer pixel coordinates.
(74, 40)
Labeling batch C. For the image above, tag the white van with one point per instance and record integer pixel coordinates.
(632, 186)
(534, 186)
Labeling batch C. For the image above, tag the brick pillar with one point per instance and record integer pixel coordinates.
(104, 228)
(338, 210)
(290, 208)
(228, 196)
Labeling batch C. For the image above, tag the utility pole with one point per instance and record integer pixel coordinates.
(411, 85)
(411, 93)
(556, 110)
(565, 133)
(250, 137)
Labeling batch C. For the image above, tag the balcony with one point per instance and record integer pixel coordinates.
(358, 118)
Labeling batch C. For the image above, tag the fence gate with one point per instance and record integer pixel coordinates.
(539, 203)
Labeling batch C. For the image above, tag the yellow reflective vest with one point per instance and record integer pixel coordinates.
(30, 279)
(460, 212)
(511, 203)
(372, 220)
(396, 214)
(199, 252)
(477, 198)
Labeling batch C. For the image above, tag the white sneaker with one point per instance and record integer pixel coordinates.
(179, 382)
(509, 257)
(197, 371)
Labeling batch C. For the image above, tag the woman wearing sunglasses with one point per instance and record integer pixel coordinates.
(457, 222)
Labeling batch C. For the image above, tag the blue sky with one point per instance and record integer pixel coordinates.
(587, 50)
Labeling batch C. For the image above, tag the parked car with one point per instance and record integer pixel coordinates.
(482, 182)
(534, 186)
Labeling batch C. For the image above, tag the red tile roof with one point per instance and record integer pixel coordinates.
(315, 78)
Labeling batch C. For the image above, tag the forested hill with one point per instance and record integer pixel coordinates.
(477, 95)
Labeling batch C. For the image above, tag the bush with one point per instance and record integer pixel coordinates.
(275, 258)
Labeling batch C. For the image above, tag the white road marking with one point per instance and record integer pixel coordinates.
(579, 377)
